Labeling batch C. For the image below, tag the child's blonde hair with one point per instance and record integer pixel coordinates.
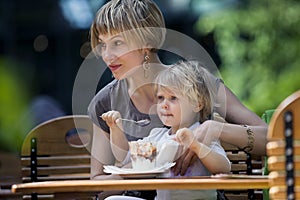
(141, 20)
(192, 80)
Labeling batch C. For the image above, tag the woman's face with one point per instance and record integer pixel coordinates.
(120, 57)
(174, 109)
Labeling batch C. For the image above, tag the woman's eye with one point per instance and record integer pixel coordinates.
(102, 45)
(118, 43)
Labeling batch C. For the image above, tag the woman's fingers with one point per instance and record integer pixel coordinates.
(183, 162)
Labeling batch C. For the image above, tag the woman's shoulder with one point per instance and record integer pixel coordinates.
(108, 88)
(103, 95)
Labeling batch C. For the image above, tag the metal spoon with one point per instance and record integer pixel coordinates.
(142, 122)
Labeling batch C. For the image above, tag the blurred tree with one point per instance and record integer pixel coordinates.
(259, 46)
(14, 98)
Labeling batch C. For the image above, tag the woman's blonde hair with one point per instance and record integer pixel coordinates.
(141, 20)
(191, 80)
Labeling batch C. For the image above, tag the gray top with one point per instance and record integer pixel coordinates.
(114, 96)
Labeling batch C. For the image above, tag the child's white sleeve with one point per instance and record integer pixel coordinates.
(127, 159)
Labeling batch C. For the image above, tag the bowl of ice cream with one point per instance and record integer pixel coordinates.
(143, 155)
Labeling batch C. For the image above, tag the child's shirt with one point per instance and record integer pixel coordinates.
(161, 136)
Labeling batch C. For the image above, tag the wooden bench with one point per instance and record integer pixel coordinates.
(10, 173)
(58, 149)
(245, 164)
(283, 149)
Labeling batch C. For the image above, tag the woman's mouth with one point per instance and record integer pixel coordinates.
(114, 67)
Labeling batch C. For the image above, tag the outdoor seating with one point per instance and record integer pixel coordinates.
(58, 149)
(10, 173)
(283, 149)
(243, 163)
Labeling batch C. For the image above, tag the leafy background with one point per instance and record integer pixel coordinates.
(259, 47)
(257, 42)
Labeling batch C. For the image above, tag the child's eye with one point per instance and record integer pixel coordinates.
(160, 98)
(173, 98)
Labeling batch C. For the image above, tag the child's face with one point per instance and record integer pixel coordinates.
(120, 57)
(174, 109)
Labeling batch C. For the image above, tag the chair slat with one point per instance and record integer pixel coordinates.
(59, 160)
(277, 148)
(277, 163)
(62, 153)
(279, 192)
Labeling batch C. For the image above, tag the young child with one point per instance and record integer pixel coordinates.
(185, 98)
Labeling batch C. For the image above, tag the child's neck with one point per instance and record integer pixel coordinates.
(174, 129)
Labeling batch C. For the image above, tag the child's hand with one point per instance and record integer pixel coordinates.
(111, 118)
(185, 137)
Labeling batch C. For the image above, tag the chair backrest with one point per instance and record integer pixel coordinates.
(10, 173)
(58, 149)
(283, 149)
(244, 164)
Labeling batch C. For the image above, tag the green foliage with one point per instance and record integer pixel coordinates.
(13, 106)
(259, 46)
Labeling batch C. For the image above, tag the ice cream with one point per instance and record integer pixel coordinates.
(143, 155)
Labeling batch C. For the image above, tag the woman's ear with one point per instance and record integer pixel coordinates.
(146, 49)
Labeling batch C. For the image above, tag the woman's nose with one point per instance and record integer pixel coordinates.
(108, 55)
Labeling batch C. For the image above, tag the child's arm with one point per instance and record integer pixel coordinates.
(118, 140)
(214, 161)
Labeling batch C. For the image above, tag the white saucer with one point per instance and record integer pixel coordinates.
(116, 170)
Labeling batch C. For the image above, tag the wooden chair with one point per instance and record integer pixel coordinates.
(283, 149)
(244, 164)
(58, 149)
(10, 173)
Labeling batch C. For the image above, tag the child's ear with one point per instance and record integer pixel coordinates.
(198, 108)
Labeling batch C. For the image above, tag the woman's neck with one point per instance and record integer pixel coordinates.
(141, 79)
(141, 87)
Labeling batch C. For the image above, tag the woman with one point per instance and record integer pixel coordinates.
(127, 35)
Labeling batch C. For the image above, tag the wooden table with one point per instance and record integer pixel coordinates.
(195, 183)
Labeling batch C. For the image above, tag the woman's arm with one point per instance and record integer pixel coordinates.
(234, 134)
(235, 113)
